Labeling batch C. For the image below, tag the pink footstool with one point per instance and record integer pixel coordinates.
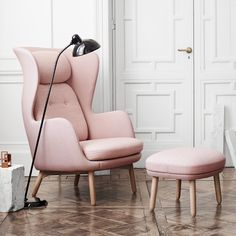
(185, 164)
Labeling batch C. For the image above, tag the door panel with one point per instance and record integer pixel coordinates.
(215, 65)
(154, 81)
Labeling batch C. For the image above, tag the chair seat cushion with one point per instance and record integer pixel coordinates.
(110, 148)
(185, 161)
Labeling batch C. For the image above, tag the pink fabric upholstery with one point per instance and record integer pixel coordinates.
(114, 163)
(102, 125)
(110, 148)
(183, 177)
(45, 61)
(69, 116)
(185, 163)
(62, 103)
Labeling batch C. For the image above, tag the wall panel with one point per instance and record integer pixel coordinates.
(215, 65)
(42, 23)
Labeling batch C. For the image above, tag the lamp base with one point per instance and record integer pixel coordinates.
(36, 203)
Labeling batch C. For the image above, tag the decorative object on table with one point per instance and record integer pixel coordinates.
(74, 139)
(12, 188)
(5, 159)
(9, 159)
(185, 164)
(2, 154)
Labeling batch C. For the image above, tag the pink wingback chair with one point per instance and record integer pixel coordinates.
(74, 139)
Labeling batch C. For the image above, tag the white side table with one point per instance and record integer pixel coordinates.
(11, 188)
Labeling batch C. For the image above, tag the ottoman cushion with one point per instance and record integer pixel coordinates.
(185, 163)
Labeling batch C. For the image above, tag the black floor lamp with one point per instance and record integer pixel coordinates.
(81, 48)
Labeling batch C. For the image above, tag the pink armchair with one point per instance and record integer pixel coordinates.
(74, 139)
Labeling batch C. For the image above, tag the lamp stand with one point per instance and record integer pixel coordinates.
(38, 202)
(81, 48)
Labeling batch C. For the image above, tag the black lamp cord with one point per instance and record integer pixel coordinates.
(42, 120)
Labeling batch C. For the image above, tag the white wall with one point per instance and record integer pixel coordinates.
(44, 23)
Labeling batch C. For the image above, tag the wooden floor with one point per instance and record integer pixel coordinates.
(118, 212)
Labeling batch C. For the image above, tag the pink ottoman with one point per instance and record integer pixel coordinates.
(185, 164)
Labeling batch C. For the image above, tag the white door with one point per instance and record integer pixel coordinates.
(215, 66)
(153, 80)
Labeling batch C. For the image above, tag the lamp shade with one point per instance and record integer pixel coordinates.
(84, 47)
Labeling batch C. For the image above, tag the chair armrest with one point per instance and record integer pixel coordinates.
(59, 148)
(110, 125)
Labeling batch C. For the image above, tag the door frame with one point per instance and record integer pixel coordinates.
(105, 38)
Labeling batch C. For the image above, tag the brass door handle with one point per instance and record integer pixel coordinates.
(188, 50)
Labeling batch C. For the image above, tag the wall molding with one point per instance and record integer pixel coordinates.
(11, 77)
(104, 36)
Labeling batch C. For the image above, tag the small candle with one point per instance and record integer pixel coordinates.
(9, 159)
(2, 157)
(5, 161)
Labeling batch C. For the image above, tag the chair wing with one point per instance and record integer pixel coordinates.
(83, 81)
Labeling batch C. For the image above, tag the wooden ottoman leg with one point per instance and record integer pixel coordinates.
(192, 191)
(217, 188)
(178, 189)
(153, 193)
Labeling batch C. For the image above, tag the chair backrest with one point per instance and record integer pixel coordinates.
(72, 91)
(63, 101)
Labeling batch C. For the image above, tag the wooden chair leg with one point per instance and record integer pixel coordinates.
(38, 183)
(178, 189)
(132, 179)
(76, 182)
(153, 193)
(217, 188)
(92, 188)
(192, 191)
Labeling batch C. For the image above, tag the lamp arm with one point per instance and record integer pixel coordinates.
(42, 120)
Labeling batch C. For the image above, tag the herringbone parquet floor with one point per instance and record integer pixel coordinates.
(118, 212)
